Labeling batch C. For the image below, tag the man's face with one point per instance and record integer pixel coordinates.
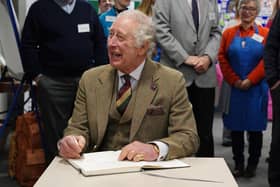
(105, 5)
(122, 4)
(122, 51)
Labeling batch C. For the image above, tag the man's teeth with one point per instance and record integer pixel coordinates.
(117, 55)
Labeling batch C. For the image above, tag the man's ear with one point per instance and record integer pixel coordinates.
(143, 49)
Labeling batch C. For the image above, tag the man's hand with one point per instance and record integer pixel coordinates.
(202, 65)
(192, 60)
(71, 146)
(138, 151)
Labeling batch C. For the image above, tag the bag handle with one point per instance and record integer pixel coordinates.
(35, 108)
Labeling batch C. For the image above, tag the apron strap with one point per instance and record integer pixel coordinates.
(255, 28)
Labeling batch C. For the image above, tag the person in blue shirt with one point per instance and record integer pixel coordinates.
(107, 18)
(104, 5)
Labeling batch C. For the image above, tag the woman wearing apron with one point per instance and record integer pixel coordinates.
(241, 60)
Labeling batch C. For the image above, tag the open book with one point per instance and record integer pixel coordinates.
(106, 162)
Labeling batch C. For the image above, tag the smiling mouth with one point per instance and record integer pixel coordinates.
(116, 55)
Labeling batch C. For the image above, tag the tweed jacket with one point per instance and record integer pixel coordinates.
(162, 110)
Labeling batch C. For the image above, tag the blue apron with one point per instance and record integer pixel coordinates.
(248, 108)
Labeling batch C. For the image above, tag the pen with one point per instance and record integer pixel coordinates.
(76, 142)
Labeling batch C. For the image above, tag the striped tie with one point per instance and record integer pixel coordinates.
(124, 94)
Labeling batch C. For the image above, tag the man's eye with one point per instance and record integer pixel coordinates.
(111, 34)
(120, 37)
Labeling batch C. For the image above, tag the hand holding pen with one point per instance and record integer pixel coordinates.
(71, 146)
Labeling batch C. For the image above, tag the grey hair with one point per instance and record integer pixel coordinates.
(145, 30)
(258, 3)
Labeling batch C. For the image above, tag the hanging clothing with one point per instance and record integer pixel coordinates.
(248, 108)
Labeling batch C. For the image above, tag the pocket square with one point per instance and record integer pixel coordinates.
(155, 110)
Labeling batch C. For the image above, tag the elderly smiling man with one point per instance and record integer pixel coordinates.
(135, 105)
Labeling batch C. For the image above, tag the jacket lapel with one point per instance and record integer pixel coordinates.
(203, 6)
(146, 90)
(184, 5)
(104, 93)
(203, 11)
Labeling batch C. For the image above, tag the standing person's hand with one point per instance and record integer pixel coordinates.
(138, 151)
(71, 146)
(246, 84)
(237, 84)
(192, 60)
(203, 64)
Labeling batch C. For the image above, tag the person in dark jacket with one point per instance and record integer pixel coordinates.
(272, 73)
(60, 40)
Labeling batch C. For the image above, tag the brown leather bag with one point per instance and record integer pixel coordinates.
(30, 157)
(12, 156)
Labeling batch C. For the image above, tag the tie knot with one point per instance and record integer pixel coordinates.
(126, 77)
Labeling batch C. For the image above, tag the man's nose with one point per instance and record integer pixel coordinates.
(112, 41)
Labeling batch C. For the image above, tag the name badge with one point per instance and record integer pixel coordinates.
(110, 18)
(212, 16)
(258, 38)
(83, 28)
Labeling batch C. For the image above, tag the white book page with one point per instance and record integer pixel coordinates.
(98, 163)
(102, 162)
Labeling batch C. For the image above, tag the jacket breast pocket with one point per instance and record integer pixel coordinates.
(155, 110)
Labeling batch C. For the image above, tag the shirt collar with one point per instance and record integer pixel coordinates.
(252, 27)
(135, 74)
(63, 3)
(190, 3)
(119, 10)
(67, 7)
